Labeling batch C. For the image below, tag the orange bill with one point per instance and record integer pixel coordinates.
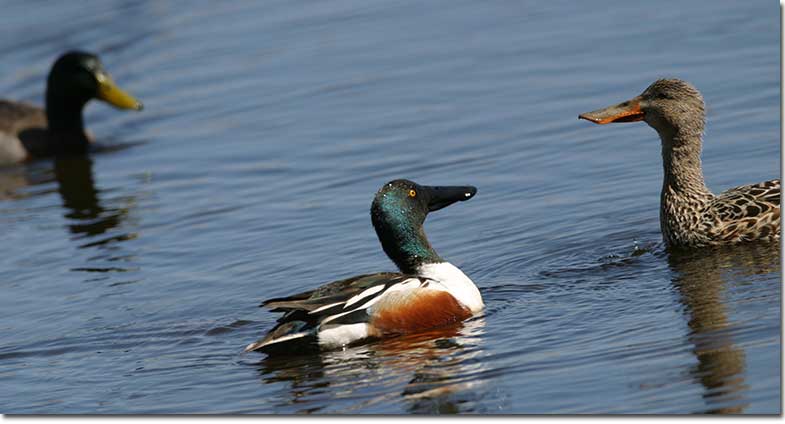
(629, 111)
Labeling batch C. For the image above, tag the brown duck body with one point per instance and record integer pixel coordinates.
(14, 119)
(690, 214)
(746, 213)
(24, 134)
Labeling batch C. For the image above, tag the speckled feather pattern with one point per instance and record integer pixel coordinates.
(690, 215)
(746, 213)
(750, 212)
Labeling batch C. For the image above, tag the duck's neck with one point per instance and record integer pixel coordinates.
(682, 166)
(409, 248)
(64, 116)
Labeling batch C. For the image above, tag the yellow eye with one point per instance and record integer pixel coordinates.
(412, 193)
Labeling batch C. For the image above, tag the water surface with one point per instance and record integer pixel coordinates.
(131, 278)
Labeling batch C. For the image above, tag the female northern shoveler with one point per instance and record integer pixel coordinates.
(429, 292)
(690, 215)
(27, 131)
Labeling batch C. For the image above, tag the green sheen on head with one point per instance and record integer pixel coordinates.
(398, 212)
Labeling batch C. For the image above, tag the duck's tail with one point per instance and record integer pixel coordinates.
(288, 337)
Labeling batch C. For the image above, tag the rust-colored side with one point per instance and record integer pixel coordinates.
(417, 310)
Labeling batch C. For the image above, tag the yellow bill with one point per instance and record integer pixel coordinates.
(109, 92)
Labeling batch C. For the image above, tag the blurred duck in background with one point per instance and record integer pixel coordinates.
(28, 132)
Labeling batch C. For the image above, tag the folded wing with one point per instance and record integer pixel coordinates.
(750, 212)
(340, 303)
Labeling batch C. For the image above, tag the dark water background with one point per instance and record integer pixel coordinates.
(130, 279)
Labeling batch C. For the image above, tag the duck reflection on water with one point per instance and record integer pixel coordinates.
(431, 372)
(80, 197)
(699, 278)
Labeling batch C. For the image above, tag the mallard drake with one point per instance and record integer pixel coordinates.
(27, 131)
(428, 292)
(690, 215)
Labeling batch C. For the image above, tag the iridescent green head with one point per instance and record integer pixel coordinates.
(75, 78)
(398, 212)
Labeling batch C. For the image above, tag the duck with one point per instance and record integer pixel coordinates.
(28, 132)
(427, 292)
(690, 214)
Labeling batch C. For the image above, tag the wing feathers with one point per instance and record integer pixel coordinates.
(368, 292)
(750, 212)
(343, 302)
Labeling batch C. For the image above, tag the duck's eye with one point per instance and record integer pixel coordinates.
(412, 193)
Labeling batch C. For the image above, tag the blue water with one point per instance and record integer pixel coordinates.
(131, 278)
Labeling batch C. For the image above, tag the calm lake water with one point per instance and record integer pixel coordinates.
(131, 278)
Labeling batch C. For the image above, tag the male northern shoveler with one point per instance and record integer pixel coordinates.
(428, 292)
(690, 215)
(27, 131)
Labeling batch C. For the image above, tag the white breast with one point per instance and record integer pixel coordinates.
(452, 280)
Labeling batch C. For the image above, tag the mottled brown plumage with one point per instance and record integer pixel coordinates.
(27, 131)
(690, 215)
